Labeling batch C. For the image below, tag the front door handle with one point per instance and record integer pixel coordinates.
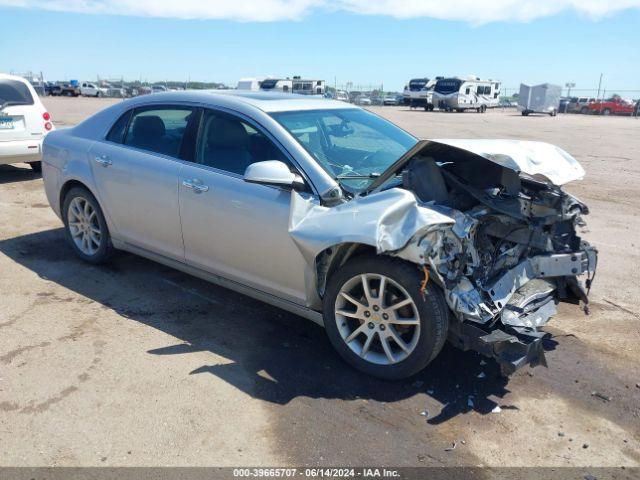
(103, 160)
(195, 185)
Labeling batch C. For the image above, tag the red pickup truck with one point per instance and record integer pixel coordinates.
(615, 105)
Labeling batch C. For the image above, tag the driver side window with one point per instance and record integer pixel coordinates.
(228, 143)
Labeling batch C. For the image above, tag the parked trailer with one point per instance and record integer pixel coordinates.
(544, 98)
(418, 93)
(466, 93)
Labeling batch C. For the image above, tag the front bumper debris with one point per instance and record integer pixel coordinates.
(512, 347)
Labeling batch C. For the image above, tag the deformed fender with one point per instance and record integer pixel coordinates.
(385, 220)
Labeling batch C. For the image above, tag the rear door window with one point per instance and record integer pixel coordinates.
(159, 129)
(13, 92)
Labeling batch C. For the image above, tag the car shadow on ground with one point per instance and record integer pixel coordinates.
(12, 174)
(274, 355)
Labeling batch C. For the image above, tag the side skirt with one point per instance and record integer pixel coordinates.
(305, 312)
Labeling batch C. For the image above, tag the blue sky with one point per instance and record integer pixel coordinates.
(347, 44)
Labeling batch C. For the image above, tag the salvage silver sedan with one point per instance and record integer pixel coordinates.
(394, 244)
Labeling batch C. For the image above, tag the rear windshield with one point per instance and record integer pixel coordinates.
(13, 92)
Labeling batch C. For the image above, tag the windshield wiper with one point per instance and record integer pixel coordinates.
(350, 176)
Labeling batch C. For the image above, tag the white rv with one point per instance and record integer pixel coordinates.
(252, 84)
(418, 93)
(466, 93)
(294, 85)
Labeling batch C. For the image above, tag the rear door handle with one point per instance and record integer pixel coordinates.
(195, 185)
(103, 160)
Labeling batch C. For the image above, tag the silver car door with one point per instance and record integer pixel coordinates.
(136, 173)
(236, 229)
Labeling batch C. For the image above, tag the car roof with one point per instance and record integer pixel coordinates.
(265, 101)
(5, 76)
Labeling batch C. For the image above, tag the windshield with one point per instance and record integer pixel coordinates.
(448, 85)
(354, 146)
(418, 84)
(13, 92)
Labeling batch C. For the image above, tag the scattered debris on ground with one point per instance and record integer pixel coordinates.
(452, 447)
(601, 396)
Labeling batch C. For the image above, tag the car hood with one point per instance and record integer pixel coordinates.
(539, 160)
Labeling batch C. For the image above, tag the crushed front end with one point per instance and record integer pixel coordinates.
(512, 254)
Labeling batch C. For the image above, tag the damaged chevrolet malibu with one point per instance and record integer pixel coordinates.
(395, 245)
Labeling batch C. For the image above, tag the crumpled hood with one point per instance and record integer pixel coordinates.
(537, 159)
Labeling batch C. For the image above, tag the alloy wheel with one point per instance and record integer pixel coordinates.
(84, 226)
(377, 318)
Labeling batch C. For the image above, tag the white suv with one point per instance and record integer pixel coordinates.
(24, 122)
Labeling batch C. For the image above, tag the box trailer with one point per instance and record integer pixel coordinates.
(544, 98)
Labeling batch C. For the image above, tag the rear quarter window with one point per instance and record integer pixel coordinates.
(13, 92)
(116, 134)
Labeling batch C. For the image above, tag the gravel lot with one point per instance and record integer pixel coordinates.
(137, 364)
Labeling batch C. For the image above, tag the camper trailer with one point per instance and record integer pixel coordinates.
(466, 93)
(418, 93)
(294, 85)
(252, 84)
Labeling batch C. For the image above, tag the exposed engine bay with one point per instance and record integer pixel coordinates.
(513, 251)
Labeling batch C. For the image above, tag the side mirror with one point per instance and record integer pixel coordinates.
(273, 172)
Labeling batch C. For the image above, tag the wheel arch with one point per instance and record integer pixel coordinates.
(331, 258)
(75, 182)
(66, 188)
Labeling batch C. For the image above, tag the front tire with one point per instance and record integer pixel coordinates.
(379, 321)
(85, 226)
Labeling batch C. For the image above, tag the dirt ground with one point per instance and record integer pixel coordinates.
(137, 364)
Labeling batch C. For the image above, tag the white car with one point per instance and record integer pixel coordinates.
(24, 122)
(92, 90)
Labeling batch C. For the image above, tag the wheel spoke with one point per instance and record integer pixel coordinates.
(366, 289)
(396, 338)
(361, 329)
(94, 239)
(367, 344)
(387, 348)
(87, 209)
(381, 289)
(404, 321)
(400, 304)
(346, 313)
(352, 300)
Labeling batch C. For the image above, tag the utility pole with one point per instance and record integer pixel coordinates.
(598, 96)
(569, 87)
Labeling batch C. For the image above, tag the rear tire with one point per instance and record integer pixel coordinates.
(36, 166)
(85, 226)
(426, 318)
(606, 112)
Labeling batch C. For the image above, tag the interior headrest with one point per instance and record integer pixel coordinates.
(225, 132)
(150, 126)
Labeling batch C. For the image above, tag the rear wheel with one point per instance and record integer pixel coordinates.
(584, 110)
(36, 166)
(606, 111)
(378, 319)
(85, 226)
